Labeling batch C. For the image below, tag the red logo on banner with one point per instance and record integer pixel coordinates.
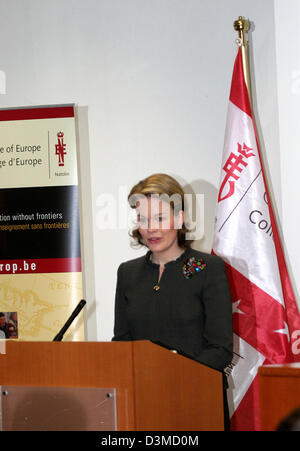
(60, 149)
(235, 163)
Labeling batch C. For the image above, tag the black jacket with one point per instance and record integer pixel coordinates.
(192, 316)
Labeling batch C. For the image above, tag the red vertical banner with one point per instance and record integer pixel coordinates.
(40, 251)
(266, 319)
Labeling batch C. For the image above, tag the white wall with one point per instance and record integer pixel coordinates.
(151, 79)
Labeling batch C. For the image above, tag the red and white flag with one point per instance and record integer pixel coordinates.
(266, 319)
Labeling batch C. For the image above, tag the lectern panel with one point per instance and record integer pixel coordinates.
(27, 408)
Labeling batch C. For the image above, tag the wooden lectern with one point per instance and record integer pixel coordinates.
(156, 389)
(279, 393)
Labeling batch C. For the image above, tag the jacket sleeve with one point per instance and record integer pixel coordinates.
(121, 328)
(218, 332)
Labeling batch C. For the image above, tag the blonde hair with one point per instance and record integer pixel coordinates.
(162, 185)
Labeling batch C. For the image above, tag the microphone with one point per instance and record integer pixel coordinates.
(61, 333)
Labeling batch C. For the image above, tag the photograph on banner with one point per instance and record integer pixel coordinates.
(8, 325)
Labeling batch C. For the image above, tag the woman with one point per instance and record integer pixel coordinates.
(173, 295)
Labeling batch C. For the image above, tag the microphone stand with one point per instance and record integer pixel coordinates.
(61, 333)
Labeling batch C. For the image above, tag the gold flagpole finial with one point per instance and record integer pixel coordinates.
(242, 26)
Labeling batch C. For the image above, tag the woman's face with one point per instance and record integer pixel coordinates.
(157, 223)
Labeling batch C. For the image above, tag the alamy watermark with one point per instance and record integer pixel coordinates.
(114, 212)
(296, 343)
(2, 82)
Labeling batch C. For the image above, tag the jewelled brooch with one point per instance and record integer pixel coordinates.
(191, 266)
